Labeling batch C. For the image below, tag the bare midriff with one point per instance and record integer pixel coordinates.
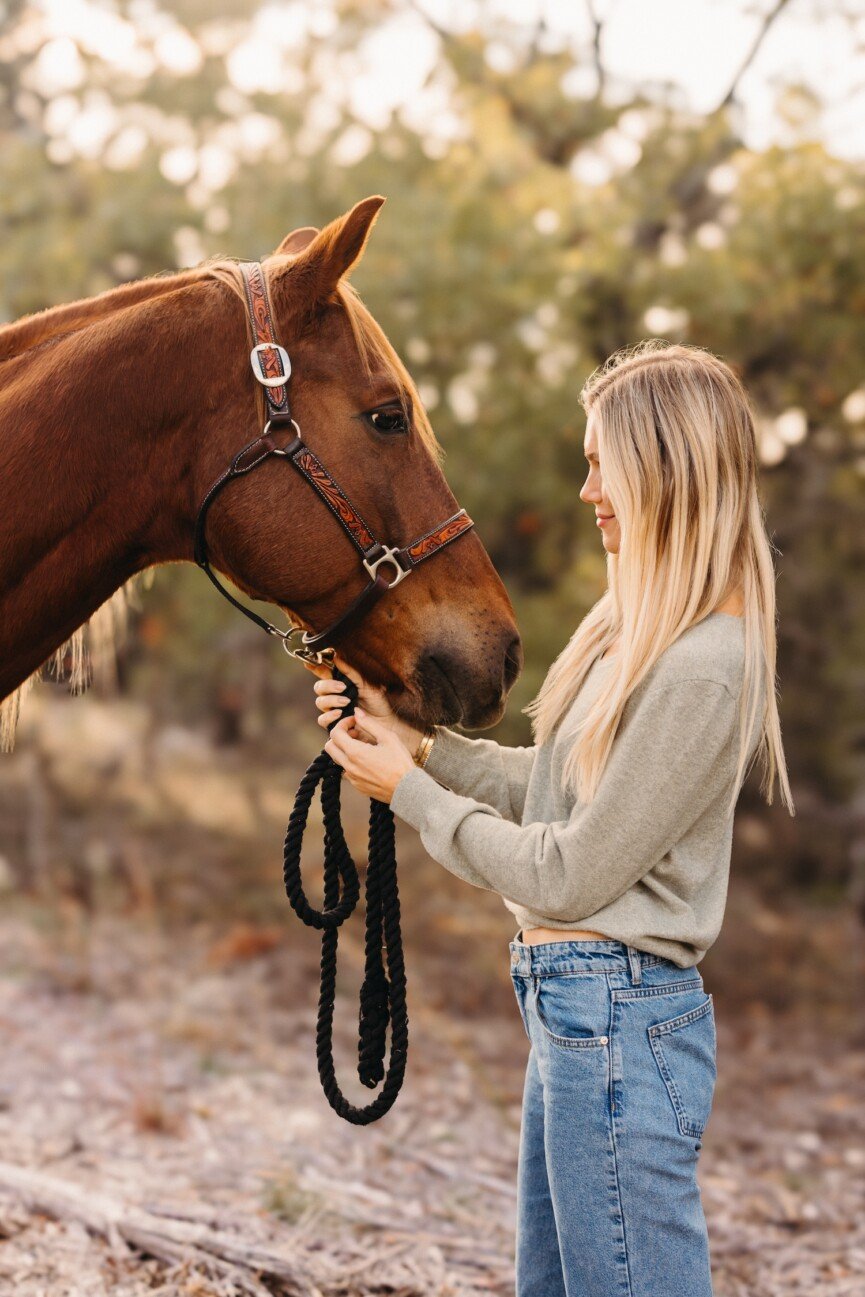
(531, 936)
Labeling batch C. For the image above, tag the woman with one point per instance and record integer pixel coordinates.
(609, 839)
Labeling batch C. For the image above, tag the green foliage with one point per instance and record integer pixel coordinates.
(504, 277)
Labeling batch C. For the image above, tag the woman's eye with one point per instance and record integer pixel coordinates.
(388, 420)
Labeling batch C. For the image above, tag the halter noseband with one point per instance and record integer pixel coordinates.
(272, 368)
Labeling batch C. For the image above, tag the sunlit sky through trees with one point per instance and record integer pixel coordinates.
(691, 48)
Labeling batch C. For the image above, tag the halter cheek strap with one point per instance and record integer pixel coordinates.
(272, 368)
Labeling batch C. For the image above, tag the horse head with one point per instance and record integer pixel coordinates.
(444, 645)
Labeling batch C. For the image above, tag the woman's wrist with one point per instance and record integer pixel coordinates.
(424, 748)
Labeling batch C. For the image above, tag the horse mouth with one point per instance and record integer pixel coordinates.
(451, 708)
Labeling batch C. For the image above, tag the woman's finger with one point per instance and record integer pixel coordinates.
(331, 700)
(326, 717)
(328, 686)
(317, 668)
(343, 736)
(354, 676)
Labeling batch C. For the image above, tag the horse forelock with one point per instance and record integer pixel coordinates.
(377, 350)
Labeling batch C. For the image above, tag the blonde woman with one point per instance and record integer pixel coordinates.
(609, 839)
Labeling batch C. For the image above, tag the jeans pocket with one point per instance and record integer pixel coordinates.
(573, 1011)
(685, 1051)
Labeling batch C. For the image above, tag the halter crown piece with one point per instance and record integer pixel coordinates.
(382, 997)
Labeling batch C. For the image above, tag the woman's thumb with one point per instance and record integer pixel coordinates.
(371, 723)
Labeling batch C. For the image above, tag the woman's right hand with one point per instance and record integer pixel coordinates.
(331, 699)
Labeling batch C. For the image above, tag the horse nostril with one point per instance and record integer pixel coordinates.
(513, 660)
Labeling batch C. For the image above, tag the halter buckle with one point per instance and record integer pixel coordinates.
(255, 360)
(389, 556)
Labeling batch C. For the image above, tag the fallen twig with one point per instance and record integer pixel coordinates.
(165, 1238)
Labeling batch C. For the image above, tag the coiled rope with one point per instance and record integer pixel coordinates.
(382, 995)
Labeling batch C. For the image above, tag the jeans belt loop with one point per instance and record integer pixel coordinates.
(636, 965)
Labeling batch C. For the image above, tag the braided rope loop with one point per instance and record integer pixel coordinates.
(383, 993)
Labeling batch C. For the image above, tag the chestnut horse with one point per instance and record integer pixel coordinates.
(119, 411)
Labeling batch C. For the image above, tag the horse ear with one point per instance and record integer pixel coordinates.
(297, 241)
(334, 250)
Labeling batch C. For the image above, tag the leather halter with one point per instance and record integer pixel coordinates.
(272, 368)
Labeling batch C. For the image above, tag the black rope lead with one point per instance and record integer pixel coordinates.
(383, 995)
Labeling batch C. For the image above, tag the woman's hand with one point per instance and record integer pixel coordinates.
(373, 757)
(331, 698)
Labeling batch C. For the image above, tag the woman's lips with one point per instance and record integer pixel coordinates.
(602, 519)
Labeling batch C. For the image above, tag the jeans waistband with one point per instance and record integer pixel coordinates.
(600, 956)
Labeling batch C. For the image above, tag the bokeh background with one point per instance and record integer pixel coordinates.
(562, 179)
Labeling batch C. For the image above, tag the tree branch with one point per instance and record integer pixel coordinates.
(763, 32)
(597, 33)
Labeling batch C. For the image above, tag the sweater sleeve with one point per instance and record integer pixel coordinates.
(482, 769)
(669, 759)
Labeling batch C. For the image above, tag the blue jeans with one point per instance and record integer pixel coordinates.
(618, 1090)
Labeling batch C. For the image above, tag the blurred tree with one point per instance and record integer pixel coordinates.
(541, 214)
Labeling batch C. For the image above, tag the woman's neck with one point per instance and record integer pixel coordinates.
(733, 604)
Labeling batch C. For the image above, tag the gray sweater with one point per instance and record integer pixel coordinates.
(647, 860)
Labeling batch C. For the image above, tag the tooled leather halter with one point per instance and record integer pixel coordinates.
(272, 368)
(383, 994)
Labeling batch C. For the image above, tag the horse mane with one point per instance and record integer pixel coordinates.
(32, 331)
(90, 653)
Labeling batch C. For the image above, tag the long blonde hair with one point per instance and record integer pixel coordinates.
(678, 448)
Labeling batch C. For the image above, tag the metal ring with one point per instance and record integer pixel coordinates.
(280, 451)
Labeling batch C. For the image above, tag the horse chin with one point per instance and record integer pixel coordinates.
(429, 697)
(413, 705)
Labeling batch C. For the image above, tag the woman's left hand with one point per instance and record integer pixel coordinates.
(374, 766)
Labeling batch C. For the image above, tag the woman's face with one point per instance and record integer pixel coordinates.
(593, 493)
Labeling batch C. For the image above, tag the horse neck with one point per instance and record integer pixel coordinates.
(19, 335)
(99, 430)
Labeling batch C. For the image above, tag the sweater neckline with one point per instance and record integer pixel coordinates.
(718, 612)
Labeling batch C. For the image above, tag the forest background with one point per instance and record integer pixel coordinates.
(561, 180)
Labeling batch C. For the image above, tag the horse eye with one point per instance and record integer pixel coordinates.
(388, 420)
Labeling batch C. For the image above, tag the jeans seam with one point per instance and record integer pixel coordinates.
(615, 1147)
(646, 992)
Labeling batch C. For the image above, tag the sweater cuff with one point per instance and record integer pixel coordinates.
(416, 795)
(449, 753)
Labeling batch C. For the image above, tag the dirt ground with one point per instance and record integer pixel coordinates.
(174, 1071)
(162, 1127)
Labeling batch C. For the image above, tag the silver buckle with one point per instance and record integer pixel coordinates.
(322, 657)
(255, 361)
(389, 556)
